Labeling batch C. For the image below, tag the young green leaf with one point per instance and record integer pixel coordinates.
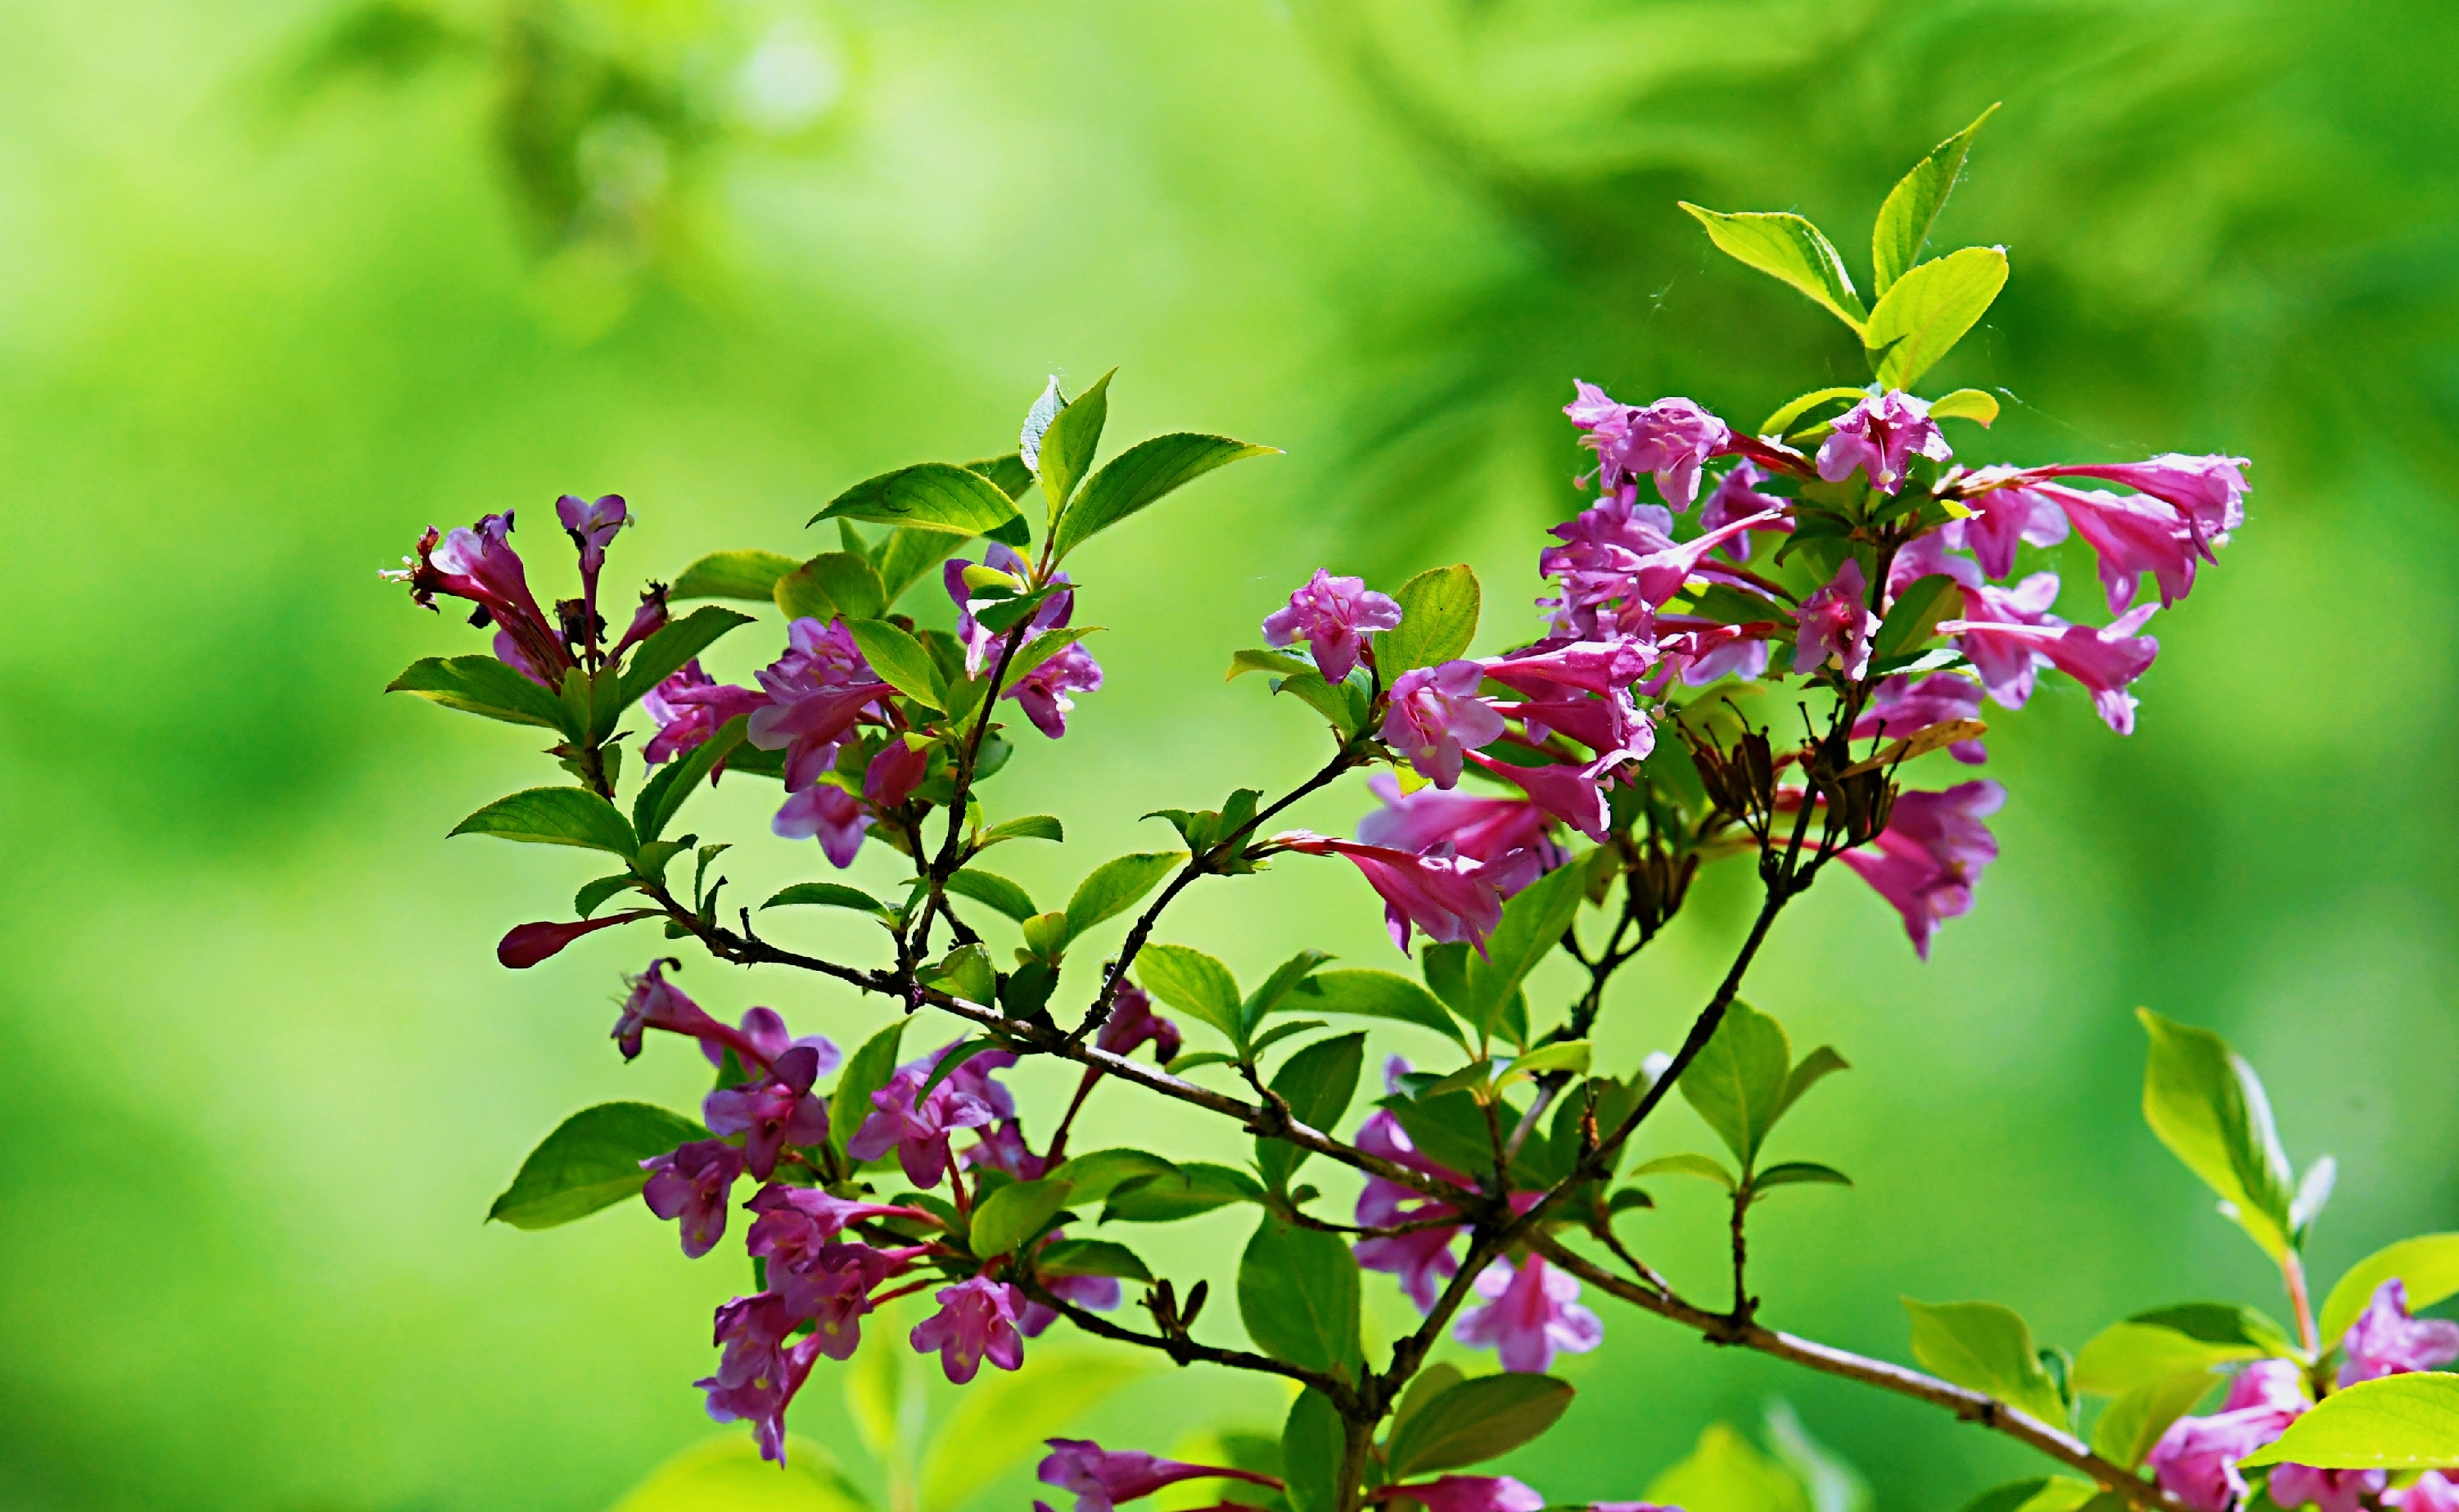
(1814, 1068)
(1989, 1349)
(481, 684)
(2208, 1107)
(1532, 926)
(2151, 1347)
(1043, 645)
(1317, 1083)
(800, 595)
(1439, 615)
(749, 574)
(2428, 1266)
(1192, 982)
(997, 892)
(1278, 663)
(849, 582)
(1310, 1453)
(1913, 618)
(2397, 1422)
(1562, 1055)
(1776, 424)
(1091, 1257)
(1737, 1084)
(1375, 994)
(1724, 1474)
(1789, 248)
(1069, 445)
(1911, 207)
(573, 816)
(899, 660)
(1448, 1131)
(1929, 310)
(829, 894)
(2131, 1425)
(1286, 978)
(1966, 404)
(1094, 1176)
(662, 796)
(1299, 1296)
(928, 495)
(1141, 475)
(1197, 1186)
(1797, 1173)
(1706, 1167)
(1007, 473)
(660, 656)
(593, 895)
(1116, 885)
(950, 1062)
(868, 1069)
(1333, 701)
(1032, 826)
(1476, 1422)
(591, 1161)
(1013, 1213)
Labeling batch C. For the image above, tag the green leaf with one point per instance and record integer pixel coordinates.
(2208, 1107)
(2127, 1356)
(481, 684)
(966, 971)
(1790, 248)
(1476, 1422)
(1532, 927)
(1706, 1167)
(799, 594)
(1197, 1186)
(1799, 1173)
(660, 656)
(909, 553)
(1737, 1084)
(1449, 1130)
(1966, 404)
(593, 895)
(1814, 1068)
(1116, 885)
(2429, 1265)
(928, 495)
(1013, 1213)
(868, 1069)
(899, 660)
(2397, 1422)
(1044, 646)
(1286, 978)
(1002, 1420)
(1833, 1484)
(1561, 1055)
(1375, 994)
(1913, 618)
(1032, 826)
(1439, 614)
(1724, 1474)
(1278, 663)
(956, 1055)
(1091, 1257)
(591, 1161)
(1007, 473)
(665, 794)
(726, 1474)
(1929, 310)
(1913, 205)
(1989, 1349)
(750, 575)
(1318, 1082)
(1331, 701)
(829, 894)
(1299, 1297)
(1141, 475)
(1068, 446)
(2041, 1493)
(997, 892)
(1775, 424)
(1430, 1383)
(1310, 1453)
(573, 816)
(2131, 1425)
(849, 582)
(1192, 982)
(1096, 1175)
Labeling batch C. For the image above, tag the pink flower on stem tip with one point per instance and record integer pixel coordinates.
(688, 707)
(1530, 1313)
(2002, 517)
(1507, 835)
(975, 1321)
(657, 1003)
(1100, 1478)
(1435, 716)
(2387, 1340)
(833, 815)
(1042, 692)
(1836, 621)
(1880, 435)
(1331, 613)
(1552, 668)
(2195, 1459)
(2105, 660)
(776, 1110)
(592, 527)
(2208, 490)
(1928, 858)
(479, 563)
(2007, 667)
(1449, 898)
(1736, 499)
(761, 1370)
(1905, 708)
(691, 1183)
(816, 692)
(1454, 1493)
(1671, 439)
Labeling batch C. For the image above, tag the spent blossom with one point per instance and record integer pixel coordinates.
(1331, 615)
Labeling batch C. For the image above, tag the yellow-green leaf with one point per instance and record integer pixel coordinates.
(1929, 310)
(1790, 248)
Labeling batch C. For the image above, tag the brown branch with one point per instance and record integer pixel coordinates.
(1186, 1350)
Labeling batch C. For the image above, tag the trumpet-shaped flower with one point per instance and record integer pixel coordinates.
(1903, 706)
(2385, 1340)
(691, 1183)
(1836, 621)
(761, 1370)
(1331, 615)
(2195, 1459)
(919, 1134)
(1507, 834)
(2002, 517)
(975, 1321)
(1670, 440)
(833, 815)
(1101, 1478)
(1736, 499)
(1042, 692)
(1449, 898)
(592, 527)
(1132, 1022)
(1928, 858)
(689, 706)
(2106, 660)
(777, 1110)
(1435, 717)
(1454, 1493)
(1530, 1313)
(1880, 435)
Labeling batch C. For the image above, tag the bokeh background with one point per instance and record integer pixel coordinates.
(282, 282)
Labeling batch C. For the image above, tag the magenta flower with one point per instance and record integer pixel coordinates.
(1450, 897)
(2004, 516)
(646, 620)
(657, 1003)
(525, 945)
(1703, 651)
(795, 1224)
(1042, 692)
(1132, 1022)
(1569, 793)
(1736, 499)
(1102, 1479)
(1422, 1258)
(689, 706)
(1880, 435)
(894, 774)
(2385, 1340)
(816, 691)
(1330, 613)
(2208, 490)
(2105, 660)
(761, 1370)
(1529, 1313)
(1836, 622)
(764, 1031)
(776, 1111)
(1453, 1493)
(975, 1321)
(479, 564)
(1903, 708)
(2433, 1492)
(2195, 1461)
(1671, 439)
(592, 527)
(2294, 1485)
(1053, 613)
(1507, 834)
(1551, 668)
(1436, 715)
(1613, 726)
(2007, 667)
(2131, 534)
(919, 1135)
(1927, 860)
(692, 1184)
(1002, 1147)
(829, 813)
(830, 1288)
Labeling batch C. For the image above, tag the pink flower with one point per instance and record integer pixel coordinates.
(1435, 714)
(1836, 622)
(1042, 692)
(1470, 1493)
(894, 774)
(1099, 1293)
(2208, 490)
(919, 1135)
(1002, 1147)
(796, 1223)
(1507, 834)
(975, 1320)
(774, 1112)
(2105, 660)
(2294, 1485)
(2195, 1461)
(764, 1031)
(1449, 898)
(760, 1371)
(829, 813)
(830, 1287)
(1568, 793)
(657, 1003)
(1051, 613)
(1903, 708)
(479, 564)
(1880, 435)
(1132, 1022)
(2007, 666)
(2433, 1492)
(1529, 1313)
(2385, 1340)
(816, 691)
(1101, 1478)
(689, 706)
(2004, 516)
(1930, 855)
(592, 528)
(1551, 668)
(1328, 613)
(692, 1183)
(1736, 499)
(1672, 439)
(2131, 534)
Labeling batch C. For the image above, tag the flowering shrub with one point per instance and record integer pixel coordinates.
(1845, 567)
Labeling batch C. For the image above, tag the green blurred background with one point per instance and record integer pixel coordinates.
(281, 284)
